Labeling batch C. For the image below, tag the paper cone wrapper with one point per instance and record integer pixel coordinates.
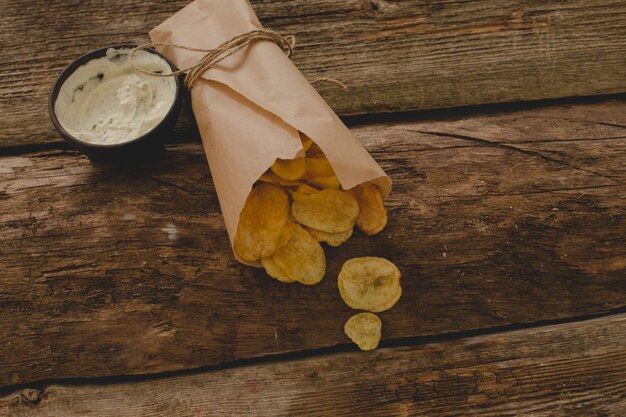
(250, 107)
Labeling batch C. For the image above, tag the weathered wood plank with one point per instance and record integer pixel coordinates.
(394, 55)
(571, 370)
(495, 219)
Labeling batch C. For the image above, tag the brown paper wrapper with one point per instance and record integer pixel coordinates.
(250, 107)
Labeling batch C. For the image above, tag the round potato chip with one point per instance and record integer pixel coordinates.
(333, 239)
(306, 189)
(364, 329)
(302, 259)
(325, 183)
(372, 214)
(289, 169)
(330, 211)
(278, 276)
(261, 222)
(369, 283)
(318, 167)
(286, 234)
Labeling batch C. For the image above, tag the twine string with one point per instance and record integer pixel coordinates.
(226, 49)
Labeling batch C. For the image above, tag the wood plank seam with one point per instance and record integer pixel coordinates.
(574, 369)
(396, 56)
(484, 236)
(396, 343)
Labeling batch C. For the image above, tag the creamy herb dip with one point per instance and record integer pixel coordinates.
(106, 101)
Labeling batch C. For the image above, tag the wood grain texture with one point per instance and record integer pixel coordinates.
(571, 370)
(393, 55)
(494, 219)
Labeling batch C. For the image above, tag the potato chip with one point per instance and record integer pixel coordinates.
(330, 211)
(364, 329)
(306, 141)
(289, 169)
(307, 189)
(271, 178)
(261, 222)
(285, 235)
(325, 183)
(318, 167)
(302, 259)
(369, 283)
(333, 239)
(372, 214)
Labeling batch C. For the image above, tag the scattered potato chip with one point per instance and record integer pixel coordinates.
(318, 167)
(364, 329)
(372, 214)
(271, 178)
(369, 283)
(306, 141)
(302, 259)
(330, 211)
(325, 183)
(289, 169)
(333, 239)
(261, 222)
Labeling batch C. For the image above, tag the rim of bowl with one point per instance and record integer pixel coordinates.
(82, 60)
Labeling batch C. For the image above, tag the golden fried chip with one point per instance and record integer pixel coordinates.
(306, 141)
(302, 259)
(318, 167)
(333, 239)
(330, 211)
(271, 178)
(285, 235)
(369, 283)
(372, 214)
(289, 169)
(261, 222)
(325, 183)
(307, 189)
(364, 329)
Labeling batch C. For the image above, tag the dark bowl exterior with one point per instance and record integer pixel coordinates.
(146, 145)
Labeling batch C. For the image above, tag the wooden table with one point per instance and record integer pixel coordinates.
(119, 295)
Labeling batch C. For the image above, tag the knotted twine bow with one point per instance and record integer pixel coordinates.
(228, 48)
